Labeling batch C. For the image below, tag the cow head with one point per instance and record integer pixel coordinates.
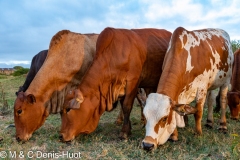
(76, 115)
(162, 119)
(234, 104)
(29, 115)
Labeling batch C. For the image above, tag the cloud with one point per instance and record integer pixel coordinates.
(15, 62)
(27, 27)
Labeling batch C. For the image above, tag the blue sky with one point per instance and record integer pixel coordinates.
(26, 27)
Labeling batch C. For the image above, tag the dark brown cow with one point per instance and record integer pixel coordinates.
(196, 62)
(125, 60)
(36, 64)
(69, 56)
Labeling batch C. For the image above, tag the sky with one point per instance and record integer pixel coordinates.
(26, 27)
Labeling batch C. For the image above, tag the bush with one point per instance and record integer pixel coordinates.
(21, 71)
(235, 45)
(17, 67)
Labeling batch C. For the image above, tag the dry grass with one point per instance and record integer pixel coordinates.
(104, 142)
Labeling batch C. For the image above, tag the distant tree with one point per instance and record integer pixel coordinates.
(235, 45)
(17, 67)
(21, 71)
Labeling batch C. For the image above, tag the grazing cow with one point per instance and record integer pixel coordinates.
(234, 95)
(125, 60)
(196, 62)
(69, 56)
(36, 64)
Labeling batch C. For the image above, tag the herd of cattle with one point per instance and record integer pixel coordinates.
(83, 75)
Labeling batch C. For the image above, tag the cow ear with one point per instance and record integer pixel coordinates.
(77, 100)
(184, 109)
(31, 99)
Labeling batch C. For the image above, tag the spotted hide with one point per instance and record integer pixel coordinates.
(69, 56)
(196, 62)
(125, 61)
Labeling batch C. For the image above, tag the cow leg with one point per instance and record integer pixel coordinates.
(141, 97)
(174, 136)
(223, 104)
(198, 115)
(218, 107)
(210, 102)
(120, 116)
(127, 107)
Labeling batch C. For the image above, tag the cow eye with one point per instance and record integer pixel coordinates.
(164, 119)
(19, 111)
(68, 109)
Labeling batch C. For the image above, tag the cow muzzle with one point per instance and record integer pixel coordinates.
(147, 146)
(64, 138)
(149, 143)
(23, 139)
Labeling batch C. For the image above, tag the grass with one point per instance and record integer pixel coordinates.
(105, 144)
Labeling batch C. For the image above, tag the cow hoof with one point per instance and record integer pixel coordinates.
(198, 133)
(123, 136)
(118, 122)
(209, 126)
(223, 130)
(173, 138)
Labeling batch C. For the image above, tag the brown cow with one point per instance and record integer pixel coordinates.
(196, 62)
(69, 56)
(234, 95)
(125, 60)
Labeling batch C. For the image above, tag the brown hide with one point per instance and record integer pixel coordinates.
(125, 60)
(234, 95)
(69, 56)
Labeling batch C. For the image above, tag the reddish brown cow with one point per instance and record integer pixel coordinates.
(69, 56)
(196, 62)
(125, 60)
(234, 95)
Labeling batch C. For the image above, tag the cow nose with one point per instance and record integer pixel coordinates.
(147, 146)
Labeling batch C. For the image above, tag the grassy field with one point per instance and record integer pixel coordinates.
(104, 143)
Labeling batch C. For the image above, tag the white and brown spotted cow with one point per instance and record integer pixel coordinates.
(196, 62)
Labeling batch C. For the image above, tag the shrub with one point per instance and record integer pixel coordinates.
(21, 71)
(235, 45)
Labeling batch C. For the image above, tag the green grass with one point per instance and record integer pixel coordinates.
(104, 143)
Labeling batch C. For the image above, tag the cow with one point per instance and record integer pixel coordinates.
(69, 56)
(36, 64)
(125, 60)
(196, 62)
(233, 95)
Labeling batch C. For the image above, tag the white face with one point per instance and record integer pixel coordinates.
(161, 119)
